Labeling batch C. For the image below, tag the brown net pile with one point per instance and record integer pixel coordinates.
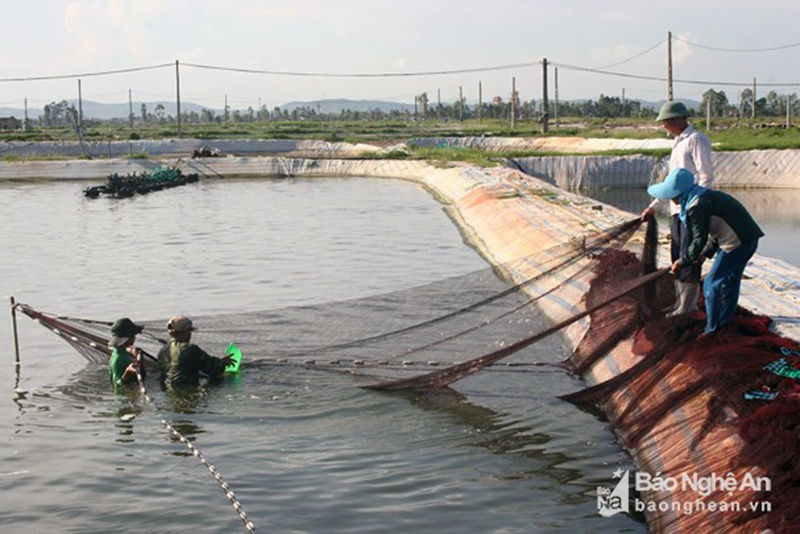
(727, 405)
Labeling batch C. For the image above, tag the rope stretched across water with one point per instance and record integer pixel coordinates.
(447, 376)
(81, 339)
(226, 489)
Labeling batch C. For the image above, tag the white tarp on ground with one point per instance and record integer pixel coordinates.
(747, 169)
(182, 148)
(567, 145)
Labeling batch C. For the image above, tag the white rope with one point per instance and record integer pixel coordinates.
(229, 494)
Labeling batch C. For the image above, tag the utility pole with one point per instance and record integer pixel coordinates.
(669, 67)
(439, 105)
(513, 100)
(753, 111)
(708, 114)
(460, 105)
(545, 110)
(480, 102)
(25, 124)
(130, 108)
(80, 118)
(741, 107)
(80, 109)
(178, 93)
(556, 95)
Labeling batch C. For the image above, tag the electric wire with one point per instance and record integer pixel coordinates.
(675, 80)
(364, 74)
(739, 50)
(84, 74)
(633, 57)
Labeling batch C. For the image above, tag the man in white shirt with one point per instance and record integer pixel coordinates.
(691, 150)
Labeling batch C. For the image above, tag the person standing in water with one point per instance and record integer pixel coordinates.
(182, 361)
(122, 365)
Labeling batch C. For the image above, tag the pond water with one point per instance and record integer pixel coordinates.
(304, 450)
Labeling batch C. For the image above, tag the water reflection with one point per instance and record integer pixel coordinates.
(498, 433)
(766, 205)
(775, 210)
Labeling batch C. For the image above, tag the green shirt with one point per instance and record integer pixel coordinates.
(181, 363)
(120, 360)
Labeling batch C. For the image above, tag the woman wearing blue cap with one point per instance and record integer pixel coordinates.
(719, 225)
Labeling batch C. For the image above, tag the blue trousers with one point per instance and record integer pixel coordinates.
(681, 237)
(722, 284)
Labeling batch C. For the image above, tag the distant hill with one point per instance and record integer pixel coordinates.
(18, 113)
(337, 105)
(691, 104)
(97, 110)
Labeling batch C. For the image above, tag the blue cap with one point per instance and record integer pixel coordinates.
(677, 182)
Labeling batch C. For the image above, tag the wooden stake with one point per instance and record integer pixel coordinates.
(16, 334)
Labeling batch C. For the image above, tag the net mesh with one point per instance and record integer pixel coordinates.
(471, 321)
(677, 406)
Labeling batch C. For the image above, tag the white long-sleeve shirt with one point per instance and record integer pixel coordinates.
(692, 151)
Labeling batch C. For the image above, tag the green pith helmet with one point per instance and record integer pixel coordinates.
(671, 110)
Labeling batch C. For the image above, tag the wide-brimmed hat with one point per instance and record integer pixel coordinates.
(122, 331)
(671, 110)
(180, 323)
(677, 182)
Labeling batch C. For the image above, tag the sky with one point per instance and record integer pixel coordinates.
(308, 50)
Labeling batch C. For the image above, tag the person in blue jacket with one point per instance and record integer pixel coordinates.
(720, 228)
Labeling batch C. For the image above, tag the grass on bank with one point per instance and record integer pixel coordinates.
(726, 136)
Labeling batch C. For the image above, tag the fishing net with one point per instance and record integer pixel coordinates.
(424, 336)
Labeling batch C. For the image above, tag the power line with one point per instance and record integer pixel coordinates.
(434, 73)
(634, 57)
(739, 50)
(658, 79)
(364, 75)
(85, 74)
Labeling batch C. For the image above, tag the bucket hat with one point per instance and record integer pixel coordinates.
(180, 323)
(122, 331)
(671, 110)
(677, 182)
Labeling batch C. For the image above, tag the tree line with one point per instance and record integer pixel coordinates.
(771, 105)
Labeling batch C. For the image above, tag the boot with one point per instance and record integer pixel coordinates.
(686, 296)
